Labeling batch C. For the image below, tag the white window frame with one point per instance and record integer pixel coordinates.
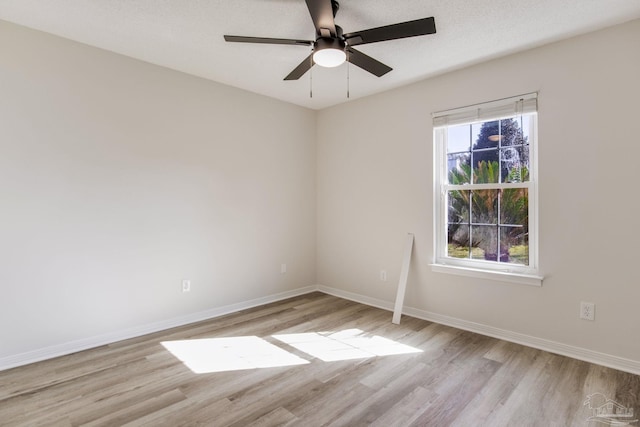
(494, 110)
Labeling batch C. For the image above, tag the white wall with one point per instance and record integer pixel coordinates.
(375, 185)
(119, 179)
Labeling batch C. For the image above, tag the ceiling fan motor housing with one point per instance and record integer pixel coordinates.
(328, 43)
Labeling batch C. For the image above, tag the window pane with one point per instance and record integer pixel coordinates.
(514, 207)
(485, 239)
(475, 133)
(514, 237)
(484, 207)
(458, 210)
(516, 130)
(487, 136)
(486, 168)
(526, 122)
(458, 139)
(511, 132)
(459, 168)
(514, 242)
(515, 163)
(458, 241)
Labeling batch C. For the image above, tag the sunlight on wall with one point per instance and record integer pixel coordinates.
(236, 353)
(230, 354)
(344, 345)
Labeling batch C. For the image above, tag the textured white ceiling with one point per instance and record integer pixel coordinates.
(188, 36)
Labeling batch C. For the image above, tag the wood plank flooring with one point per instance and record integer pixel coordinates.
(450, 377)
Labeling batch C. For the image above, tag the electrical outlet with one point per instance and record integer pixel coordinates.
(587, 310)
(186, 286)
(383, 275)
(283, 268)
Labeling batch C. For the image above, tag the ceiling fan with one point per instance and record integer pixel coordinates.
(332, 47)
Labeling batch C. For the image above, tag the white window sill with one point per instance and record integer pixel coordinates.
(522, 279)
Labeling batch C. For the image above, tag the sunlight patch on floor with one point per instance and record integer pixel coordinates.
(344, 345)
(210, 355)
(230, 354)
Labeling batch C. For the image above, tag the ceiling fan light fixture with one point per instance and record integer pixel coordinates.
(329, 57)
(329, 52)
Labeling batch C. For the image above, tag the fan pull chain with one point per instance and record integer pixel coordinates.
(348, 80)
(311, 77)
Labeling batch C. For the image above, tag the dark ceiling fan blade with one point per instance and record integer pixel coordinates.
(419, 27)
(367, 63)
(267, 40)
(322, 15)
(301, 69)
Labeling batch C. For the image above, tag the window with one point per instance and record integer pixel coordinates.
(486, 190)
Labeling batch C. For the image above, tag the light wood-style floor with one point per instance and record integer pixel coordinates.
(452, 378)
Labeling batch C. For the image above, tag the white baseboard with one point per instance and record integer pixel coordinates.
(615, 362)
(38, 355)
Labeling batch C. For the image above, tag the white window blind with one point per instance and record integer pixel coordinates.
(493, 110)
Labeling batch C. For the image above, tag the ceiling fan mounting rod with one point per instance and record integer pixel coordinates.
(327, 32)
